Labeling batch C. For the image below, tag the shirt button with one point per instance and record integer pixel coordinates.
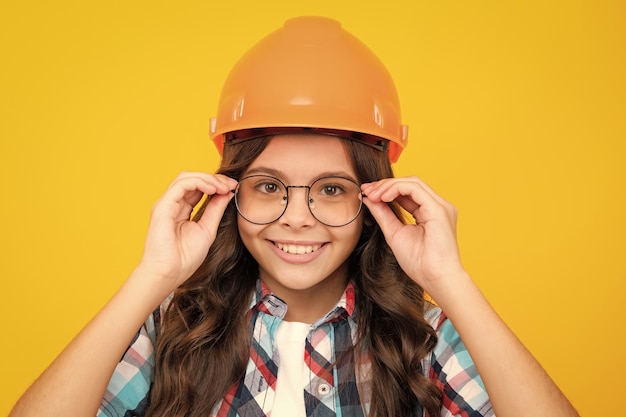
(323, 389)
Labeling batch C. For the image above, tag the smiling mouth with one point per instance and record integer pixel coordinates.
(297, 249)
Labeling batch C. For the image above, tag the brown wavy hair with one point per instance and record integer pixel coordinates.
(203, 345)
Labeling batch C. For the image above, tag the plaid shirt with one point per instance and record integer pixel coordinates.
(331, 389)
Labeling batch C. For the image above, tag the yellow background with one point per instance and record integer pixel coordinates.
(517, 114)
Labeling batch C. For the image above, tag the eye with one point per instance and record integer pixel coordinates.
(268, 187)
(331, 189)
(261, 186)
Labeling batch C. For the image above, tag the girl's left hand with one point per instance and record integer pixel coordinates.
(427, 250)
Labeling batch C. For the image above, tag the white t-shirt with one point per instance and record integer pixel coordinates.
(289, 396)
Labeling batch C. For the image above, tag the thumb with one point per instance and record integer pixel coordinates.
(384, 216)
(214, 211)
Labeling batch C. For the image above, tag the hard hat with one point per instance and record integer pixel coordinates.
(310, 75)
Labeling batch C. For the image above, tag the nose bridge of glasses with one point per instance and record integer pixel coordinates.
(298, 209)
(305, 188)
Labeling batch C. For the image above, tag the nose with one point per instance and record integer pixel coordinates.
(297, 214)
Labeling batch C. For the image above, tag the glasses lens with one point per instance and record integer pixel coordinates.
(261, 199)
(335, 201)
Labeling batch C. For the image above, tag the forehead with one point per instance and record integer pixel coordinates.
(303, 157)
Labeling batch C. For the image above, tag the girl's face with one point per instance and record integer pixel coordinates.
(301, 260)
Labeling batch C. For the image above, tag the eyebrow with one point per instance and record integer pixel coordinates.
(281, 175)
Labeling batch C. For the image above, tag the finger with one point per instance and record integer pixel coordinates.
(220, 181)
(409, 195)
(384, 216)
(381, 186)
(186, 191)
(414, 196)
(191, 186)
(214, 212)
(407, 203)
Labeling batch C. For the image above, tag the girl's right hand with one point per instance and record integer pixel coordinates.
(176, 246)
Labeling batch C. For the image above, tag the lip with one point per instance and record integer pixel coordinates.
(297, 258)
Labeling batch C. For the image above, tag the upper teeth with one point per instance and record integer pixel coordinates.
(297, 249)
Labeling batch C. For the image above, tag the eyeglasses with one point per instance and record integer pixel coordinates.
(333, 201)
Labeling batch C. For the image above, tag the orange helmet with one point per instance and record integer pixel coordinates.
(310, 75)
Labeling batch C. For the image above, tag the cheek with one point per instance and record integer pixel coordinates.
(246, 232)
(352, 233)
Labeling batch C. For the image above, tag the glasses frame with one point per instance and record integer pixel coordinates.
(308, 198)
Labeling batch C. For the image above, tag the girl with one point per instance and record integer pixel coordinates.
(296, 288)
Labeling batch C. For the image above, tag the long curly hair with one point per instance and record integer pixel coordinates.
(203, 345)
